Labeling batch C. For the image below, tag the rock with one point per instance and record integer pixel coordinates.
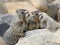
(57, 36)
(2, 42)
(5, 21)
(3, 28)
(13, 6)
(37, 37)
(41, 5)
(58, 15)
(52, 11)
(6, 18)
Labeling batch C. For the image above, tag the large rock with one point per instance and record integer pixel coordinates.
(38, 37)
(57, 36)
(41, 5)
(53, 9)
(6, 18)
(5, 21)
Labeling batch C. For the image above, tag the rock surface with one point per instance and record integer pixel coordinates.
(41, 5)
(57, 36)
(5, 21)
(38, 37)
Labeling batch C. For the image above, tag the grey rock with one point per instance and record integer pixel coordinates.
(5, 21)
(2, 42)
(52, 10)
(6, 18)
(38, 37)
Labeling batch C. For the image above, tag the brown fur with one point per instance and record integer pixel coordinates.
(17, 28)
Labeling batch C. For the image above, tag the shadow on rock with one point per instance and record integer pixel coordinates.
(3, 28)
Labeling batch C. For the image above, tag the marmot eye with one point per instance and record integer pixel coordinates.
(36, 14)
(22, 12)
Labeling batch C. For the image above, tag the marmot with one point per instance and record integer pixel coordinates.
(36, 17)
(17, 28)
(48, 23)
(33, 20)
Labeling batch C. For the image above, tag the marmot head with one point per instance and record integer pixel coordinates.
(22, 13)
(37, 14)
(38, 17)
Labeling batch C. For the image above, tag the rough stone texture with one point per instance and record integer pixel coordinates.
(5, 21)
(57, 36)
(38, 37)
(52, 11)
(3, 28)
(6, 18)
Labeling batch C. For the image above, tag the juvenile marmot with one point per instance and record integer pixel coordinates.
(44, 21)
(33, 21)
(17, 28)
(49, 23)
